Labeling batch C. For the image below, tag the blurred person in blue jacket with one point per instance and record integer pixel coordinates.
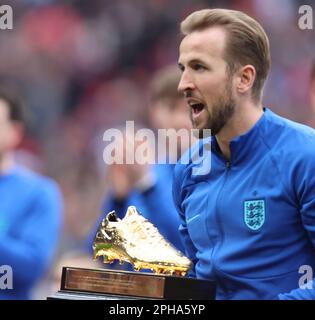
(149, 187)
(30, 210)
(249, 221)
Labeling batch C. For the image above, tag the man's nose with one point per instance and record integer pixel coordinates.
(185, 83)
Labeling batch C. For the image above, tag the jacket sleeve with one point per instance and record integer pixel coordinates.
(190, 250)
(30, 247)
(303, 180)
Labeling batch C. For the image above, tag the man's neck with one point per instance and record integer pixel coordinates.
(241, 122)
(6, 163)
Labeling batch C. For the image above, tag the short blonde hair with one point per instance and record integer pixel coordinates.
(247, 42)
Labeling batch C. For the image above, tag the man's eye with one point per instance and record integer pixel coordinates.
(199, 67)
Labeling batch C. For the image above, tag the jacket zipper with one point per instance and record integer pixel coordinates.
(217, 216)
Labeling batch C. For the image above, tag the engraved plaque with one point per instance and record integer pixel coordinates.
(121, 283)
(102, 282)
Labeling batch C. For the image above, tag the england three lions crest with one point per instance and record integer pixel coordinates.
(254, 214)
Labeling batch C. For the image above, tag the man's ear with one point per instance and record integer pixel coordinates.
(245, 78)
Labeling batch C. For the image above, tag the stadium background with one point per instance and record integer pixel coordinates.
(84, 66)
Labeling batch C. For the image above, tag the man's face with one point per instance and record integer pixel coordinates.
(205, 82)
(9, 131)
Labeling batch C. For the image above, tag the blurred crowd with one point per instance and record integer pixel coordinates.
(84, 66)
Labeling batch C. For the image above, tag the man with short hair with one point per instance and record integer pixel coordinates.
(249, 223)
(30, 210)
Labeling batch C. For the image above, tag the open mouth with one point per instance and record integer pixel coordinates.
(197, 108)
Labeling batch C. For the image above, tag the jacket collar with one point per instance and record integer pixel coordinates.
(244, 146)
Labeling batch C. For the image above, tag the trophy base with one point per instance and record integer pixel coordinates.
(102, 284)
(69, 295)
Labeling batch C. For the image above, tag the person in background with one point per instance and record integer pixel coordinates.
(31, 209)
(149, 187)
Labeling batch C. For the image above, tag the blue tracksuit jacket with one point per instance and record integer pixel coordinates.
(250, 224)
(31, 209)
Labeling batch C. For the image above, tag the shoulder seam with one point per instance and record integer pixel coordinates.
(275, 164)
